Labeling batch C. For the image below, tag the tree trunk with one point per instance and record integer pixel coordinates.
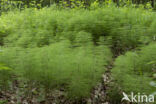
(152, 3)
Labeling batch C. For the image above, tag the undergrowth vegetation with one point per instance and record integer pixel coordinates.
(77, 68)
(124, 28)
(61, 48)
(6, 77)
(135, 71)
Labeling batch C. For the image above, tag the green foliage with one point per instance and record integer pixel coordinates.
(78, 68)
(57, 47)
(5, 74)
(125, 28)
(76, 4)
(134, 70)
(3, 102)
(7, 5)
(11, 5)
(148, 6)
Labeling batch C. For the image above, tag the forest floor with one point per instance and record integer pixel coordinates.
(99, 95)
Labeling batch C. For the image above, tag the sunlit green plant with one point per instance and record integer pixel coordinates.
(76, 67)
(5, 77)
(133, 71)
